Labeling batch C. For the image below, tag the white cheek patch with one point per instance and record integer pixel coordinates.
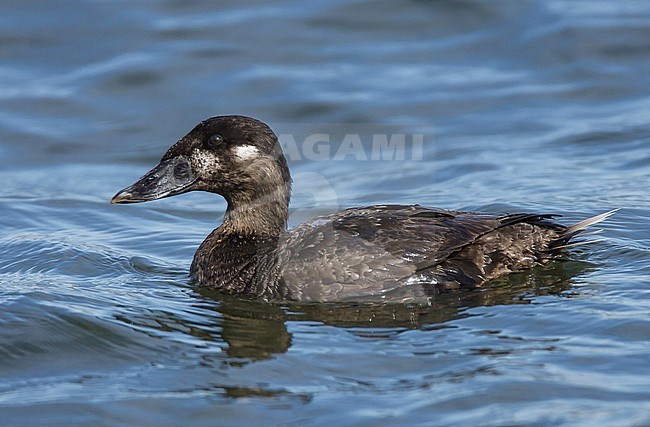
(246, 152)
(205, 161)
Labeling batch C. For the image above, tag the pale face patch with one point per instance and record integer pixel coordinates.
(246, 152)
(205, 161)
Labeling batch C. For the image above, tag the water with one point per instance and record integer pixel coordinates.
(522, 105)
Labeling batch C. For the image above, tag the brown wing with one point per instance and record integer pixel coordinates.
(373, 250)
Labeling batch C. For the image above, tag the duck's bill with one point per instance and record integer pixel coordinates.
(169, 178)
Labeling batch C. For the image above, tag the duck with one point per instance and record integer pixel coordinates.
(379, 253)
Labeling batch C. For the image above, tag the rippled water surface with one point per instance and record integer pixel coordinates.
(520, 105)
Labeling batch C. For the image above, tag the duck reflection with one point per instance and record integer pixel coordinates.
(248, 331)
(254, 330)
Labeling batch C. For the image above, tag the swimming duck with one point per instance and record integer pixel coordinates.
(393, 253)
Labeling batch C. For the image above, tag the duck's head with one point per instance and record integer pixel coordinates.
(237, 157)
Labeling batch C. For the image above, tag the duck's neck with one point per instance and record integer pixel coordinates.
(264, 214)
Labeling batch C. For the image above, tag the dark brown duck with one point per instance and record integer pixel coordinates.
(377, 253)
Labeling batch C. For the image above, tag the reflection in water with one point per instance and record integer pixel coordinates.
(237, 392)
(254, 330)
(552, 279)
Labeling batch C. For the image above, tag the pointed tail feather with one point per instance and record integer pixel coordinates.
(578, 230)
(583, 225)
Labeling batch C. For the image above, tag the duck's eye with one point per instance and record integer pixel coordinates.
(215, 140)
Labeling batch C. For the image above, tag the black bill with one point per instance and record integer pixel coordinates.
(169, 178)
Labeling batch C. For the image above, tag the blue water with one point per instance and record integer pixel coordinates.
(540, 106)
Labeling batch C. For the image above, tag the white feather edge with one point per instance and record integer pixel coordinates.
(582, 225)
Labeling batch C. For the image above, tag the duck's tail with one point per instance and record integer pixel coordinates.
(563, 241)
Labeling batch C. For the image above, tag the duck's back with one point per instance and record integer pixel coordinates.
(408, 252)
